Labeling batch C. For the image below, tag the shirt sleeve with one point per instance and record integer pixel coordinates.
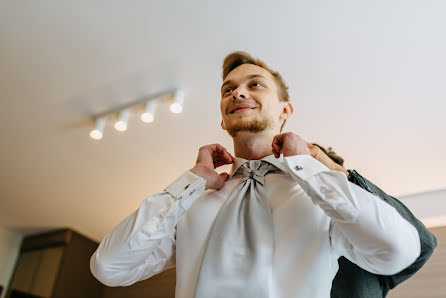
(428, 241)
(143, 244)
(364, 229)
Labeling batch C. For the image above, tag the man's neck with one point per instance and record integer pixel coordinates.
(253, 146)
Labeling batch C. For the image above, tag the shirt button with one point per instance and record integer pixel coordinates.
(298, 168)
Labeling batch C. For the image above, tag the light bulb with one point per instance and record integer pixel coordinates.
(96, 134)
(177, 104)
(147, 117)
(121, 124)
(149, 113)
(176, 108)
(98, 130)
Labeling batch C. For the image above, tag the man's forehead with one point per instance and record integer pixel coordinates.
(247, 70)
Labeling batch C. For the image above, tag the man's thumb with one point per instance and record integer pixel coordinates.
(225, 176)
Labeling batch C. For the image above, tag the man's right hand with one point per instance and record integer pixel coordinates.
(209, 158)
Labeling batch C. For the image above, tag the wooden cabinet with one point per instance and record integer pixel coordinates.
(55, 265)
(36, 271)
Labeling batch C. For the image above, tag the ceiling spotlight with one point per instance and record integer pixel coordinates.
(98, 130)
(177, 105)
(121, 124)
(149, 113)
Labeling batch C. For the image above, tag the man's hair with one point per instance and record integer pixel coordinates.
(235, 59)
(330, 153)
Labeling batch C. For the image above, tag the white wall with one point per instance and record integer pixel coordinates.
(429, 207)
(9, 250)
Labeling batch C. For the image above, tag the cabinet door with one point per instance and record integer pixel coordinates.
(26, 269)
(36, 272)
(46, 274)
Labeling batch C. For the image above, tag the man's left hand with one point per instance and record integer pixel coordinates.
(289, 144)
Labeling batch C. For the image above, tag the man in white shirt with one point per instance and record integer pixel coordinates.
(317, 215)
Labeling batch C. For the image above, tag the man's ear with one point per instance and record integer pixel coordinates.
(223, 125)
(287, 110)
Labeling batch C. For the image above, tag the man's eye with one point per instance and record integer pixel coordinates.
(255, 84)
(228, 90)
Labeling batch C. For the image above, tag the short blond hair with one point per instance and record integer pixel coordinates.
(235, 59)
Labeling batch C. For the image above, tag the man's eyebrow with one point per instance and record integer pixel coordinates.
(250, 77)
(225, 83)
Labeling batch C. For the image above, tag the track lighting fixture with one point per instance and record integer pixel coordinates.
(147, 104)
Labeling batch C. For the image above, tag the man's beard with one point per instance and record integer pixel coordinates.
(254, 126)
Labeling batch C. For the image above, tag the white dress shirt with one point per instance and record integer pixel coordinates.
(318, 216)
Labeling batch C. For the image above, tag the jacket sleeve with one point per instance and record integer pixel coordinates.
(427, 239)
(143, 244)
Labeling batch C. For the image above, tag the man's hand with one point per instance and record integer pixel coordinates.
(289, 144)
(292, 144)
(318, 154)
(209, 158)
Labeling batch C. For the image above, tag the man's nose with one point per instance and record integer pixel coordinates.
(240, 93)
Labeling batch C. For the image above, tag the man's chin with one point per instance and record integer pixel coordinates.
(252, 126)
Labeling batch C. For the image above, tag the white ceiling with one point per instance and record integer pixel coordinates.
(366, 77)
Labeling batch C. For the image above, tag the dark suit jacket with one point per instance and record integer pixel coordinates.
(354, 282)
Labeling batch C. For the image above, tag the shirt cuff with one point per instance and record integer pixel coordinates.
(304, 166)
(185, 185)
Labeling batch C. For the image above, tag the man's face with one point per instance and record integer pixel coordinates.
(249, 101)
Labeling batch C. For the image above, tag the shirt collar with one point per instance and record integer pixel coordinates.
(278, 162)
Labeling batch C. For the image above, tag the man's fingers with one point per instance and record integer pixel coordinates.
(276, 151)
(226, 154)
(277, 145)
(213, 153)
(225, 176)
(221, 159)
(221, 182)
(278, 139)
(222, 152)
(211, 157)
(219, 163)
